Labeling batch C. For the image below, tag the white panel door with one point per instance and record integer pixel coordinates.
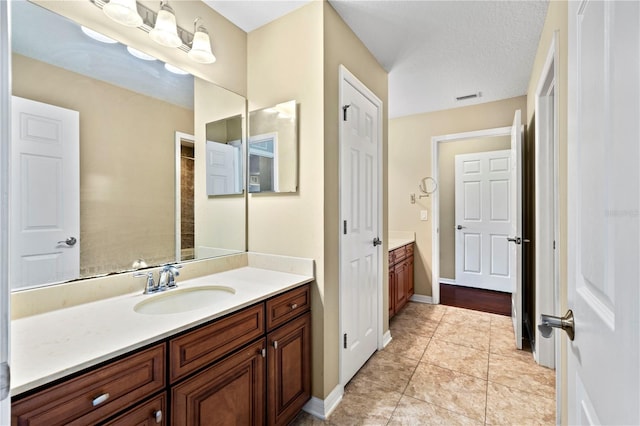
(223, 169)
(603, 362)
(483, 220)
(359, 264)
(45, 194)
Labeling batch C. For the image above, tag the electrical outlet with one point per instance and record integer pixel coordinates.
(424, 215)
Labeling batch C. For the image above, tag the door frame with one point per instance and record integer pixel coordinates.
(345, 76)
(435, 223)
(179, 137)
(5, 164)
(547, 273)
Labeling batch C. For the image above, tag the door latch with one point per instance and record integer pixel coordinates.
(566, 323)
(377, 241)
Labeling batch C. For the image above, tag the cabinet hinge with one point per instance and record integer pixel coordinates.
(345, 340)
(344, 112)
(554, 244)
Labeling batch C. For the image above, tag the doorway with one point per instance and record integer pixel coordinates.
(185, 199)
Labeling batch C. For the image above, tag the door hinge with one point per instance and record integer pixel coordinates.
(344, 227)
(5, 380)
(345, 340)
(344, 112)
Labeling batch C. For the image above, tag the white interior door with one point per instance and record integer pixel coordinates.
(603, 364)
(516, 227)
(223, 169)
(483, 220)
(360, 278)
(45, 193)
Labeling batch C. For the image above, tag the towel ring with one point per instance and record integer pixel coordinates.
(428, 186)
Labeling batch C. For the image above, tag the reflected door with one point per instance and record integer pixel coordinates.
(45, 194)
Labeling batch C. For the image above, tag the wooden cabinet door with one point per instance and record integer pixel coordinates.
(289, 370)
(392, 291)
(150, 413)
(230, 392)
(401, 285)
(410, 290)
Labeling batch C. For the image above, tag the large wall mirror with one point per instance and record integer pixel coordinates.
(273, 149)
(115, 200)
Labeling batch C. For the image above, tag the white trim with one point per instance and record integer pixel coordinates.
(422, 299)
(448, 281)
(322, 408)
(344, 75)
(386, 338)
(178, 138)
(435, 223)
(5, 146)
(546, 205)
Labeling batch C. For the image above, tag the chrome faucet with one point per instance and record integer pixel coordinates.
(166, 280)
(168, 276)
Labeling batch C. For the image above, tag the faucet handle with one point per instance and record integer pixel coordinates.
(150, 286)
(173, 272)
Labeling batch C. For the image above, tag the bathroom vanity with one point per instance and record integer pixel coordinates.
(246, 359)
(400, 274)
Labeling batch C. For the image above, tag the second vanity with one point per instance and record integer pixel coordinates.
(245, 356)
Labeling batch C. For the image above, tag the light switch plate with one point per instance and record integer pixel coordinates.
(424, 215)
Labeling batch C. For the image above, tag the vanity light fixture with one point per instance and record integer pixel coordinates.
(174, 69)
(124, 12)
(201, 45)
(165, 30)
(161, 27)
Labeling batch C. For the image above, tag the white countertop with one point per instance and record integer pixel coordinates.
(52, 345)
(394, 243)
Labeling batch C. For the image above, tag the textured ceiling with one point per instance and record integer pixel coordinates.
(434, 51)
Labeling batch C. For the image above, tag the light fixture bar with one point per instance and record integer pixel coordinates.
(148, 20)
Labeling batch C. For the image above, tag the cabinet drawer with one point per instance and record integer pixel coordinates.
(409, 250)
(96, 395)
(198, 348)
(152, 412)
(399, 254)
(289, 305)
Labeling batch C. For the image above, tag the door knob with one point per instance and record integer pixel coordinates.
(377, 241)
(459, 227)
(549, 322)
(71, 241)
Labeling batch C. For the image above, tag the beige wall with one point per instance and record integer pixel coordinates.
(229, 42)
(446, 186)
(342, 47)
(126, 200)
(220, 220)
(284, 63)
(556, 22)
(409, 161)
(297, 57)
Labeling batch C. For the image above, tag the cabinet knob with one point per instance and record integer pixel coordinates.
(294, 305)
(100, 399)
(275, 344)
(157, 415)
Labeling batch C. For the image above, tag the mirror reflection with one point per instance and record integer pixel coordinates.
(106, 202)
(224, 156)
(273, 149)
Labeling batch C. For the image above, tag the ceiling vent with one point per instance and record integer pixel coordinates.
(471, 96)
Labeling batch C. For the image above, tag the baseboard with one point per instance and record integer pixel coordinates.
(448, 281)
(322, 408)
(421, 299)
(386, 339)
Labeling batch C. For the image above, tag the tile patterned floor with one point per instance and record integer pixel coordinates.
(447, 366)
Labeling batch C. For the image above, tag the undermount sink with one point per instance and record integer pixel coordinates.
(184, 300)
